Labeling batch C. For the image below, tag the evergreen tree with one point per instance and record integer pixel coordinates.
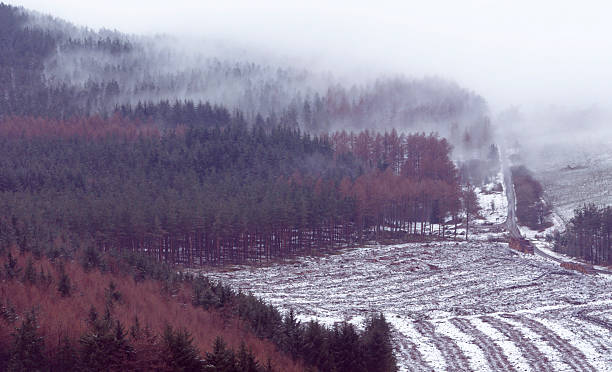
(179, 352)
(112, 294)
(105, 346)
(346, 349)
(66, 357)
(29, 274)
(221, 359)
(28, 347)
(91, 258)
(292, 335)
(377, 347)
(316, 350)
(245, 361)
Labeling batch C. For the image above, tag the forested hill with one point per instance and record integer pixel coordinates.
(124, 158)
(201, 183)
(200, 196)
(54, 69)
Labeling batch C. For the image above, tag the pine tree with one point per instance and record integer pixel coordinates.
(292, 335)
(346, 351)
(245, 361)
(29, 274)
(66, 357)
(377, 347)
(221, 359)
(316, 346)
(28, 347)
(179, 352)
(112, 294)
(135, 329)
(105, 346)
(91, 258)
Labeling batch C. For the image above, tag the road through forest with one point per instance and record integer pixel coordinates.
(511, 220)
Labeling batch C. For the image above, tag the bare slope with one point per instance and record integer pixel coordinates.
(454, 305)
(575, 173)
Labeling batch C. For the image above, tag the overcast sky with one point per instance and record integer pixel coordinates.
(512, 52)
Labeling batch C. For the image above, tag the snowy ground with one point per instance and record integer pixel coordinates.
(574, 174)
(538, 239)
(488, 225)
(469, 306)
(493, 203)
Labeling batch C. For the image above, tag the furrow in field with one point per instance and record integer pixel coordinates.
(537, 360)
(569, 354)
(493, 353)
(453, 356)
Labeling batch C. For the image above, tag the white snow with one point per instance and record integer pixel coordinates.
(430, 354)
(465, 342)
(509, 348)
(551, 353)
(436, 282)
(493, 204)
(592, 356)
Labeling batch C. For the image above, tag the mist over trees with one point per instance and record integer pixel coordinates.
(54, 69)
(129, 154)
(101, 150)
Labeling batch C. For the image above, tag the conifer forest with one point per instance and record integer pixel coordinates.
(173, 205)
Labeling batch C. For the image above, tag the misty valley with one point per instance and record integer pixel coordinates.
(171, 204)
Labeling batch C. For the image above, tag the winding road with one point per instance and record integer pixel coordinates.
(511, 221)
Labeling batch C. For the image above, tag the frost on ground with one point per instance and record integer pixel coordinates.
(473, 305)
(575, 173)
(424, 289)
(492, 201)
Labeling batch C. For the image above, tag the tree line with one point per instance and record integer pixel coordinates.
(588, 235)
(341, 347)
(211, 196)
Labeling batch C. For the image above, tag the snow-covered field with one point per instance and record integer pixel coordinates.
(469, 306)
(574, 174)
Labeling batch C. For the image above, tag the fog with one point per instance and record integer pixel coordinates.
(547, 61)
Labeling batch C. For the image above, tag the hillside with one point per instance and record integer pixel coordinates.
(179, 204)
(54, 69)
(96, 315)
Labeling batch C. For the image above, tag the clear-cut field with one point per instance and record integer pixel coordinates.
(468, 306)
(457, 306)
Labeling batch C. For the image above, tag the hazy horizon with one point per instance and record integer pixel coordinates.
(549, 54)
